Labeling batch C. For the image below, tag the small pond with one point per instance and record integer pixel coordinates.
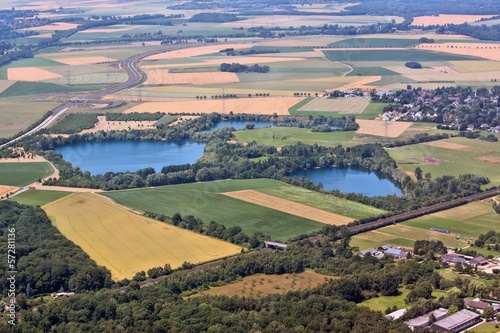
(117, 156)
(350, 180)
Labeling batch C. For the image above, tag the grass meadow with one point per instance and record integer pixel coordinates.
(39, 197)
(261, 285)
(391, 55)
(454, 156)
(381, 303)
(284, 136)
(22, 174)
(17, 116)
(22, 88)
(467, 221)
(127, 243)
(203, 200)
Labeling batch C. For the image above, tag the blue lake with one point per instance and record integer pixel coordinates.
(241, 124)
(350, 180)
(116, 156)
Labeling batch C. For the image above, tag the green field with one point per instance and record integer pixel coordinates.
(284, 136)
(204, 200)
(17, 116)
(22, 88)
(325, 202)
(74, 123)
(22, 174)
(373, 42)
(391, 55)
(454, 156)
(467, 221)
(38, 198)
(371, 71)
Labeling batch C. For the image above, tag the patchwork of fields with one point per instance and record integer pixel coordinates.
(464, 222)
(209, 202)
(127, 243)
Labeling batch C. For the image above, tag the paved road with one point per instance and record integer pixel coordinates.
(135, 77)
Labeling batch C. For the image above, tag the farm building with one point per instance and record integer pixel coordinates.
(480, 305)
(371, 250)
(457, 322)
(423, 321)
(275, 245)
(444, 231)
(395, 252)
(453, 258)
(396, 314)
(478, 261)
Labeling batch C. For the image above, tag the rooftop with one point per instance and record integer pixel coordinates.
(457, 319)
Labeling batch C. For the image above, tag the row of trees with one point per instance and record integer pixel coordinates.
(239, 68)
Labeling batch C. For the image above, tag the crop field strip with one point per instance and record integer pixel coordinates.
(205, 200)
(7, 189)
(22, 174)
(467, 221)
(17, 116)
(353, 105)
(392, 55)
(289, 207)
(125, 242)
(39, 197)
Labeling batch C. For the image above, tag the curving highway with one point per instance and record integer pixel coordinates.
(135, 77)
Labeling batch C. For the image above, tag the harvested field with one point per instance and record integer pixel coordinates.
(196, 51)
(53, 27)
(347, 105)
(442, 19)
(390, 129)
(4, 84)
(251, 60)
(127, 243)
(267, 105)
(453, 146)
(4, 189)
(32, 74)
(84, 60)
(261, 285)
(164, 77)
(104, 125)
(490, 159)
(295, 42)
(289, 207)
(475, 66)
(363, 83)
(481, 50)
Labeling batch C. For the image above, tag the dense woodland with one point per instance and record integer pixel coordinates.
(45, 260)
(330, 307)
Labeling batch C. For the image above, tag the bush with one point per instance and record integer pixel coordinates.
(413, 64)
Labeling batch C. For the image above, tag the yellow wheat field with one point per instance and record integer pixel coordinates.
(442, 19)
(162, 76)
(125, 242)
(32, 74)
(390, 129)
(254, 105)
(482, 50)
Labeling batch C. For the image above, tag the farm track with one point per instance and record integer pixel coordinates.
(422, 211)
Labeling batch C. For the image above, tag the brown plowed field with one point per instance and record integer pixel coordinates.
(290, 207)
(381, 128)
(4, 189)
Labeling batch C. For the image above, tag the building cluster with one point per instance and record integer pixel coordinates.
(455, 109)
(441, 321)
(387, 250)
